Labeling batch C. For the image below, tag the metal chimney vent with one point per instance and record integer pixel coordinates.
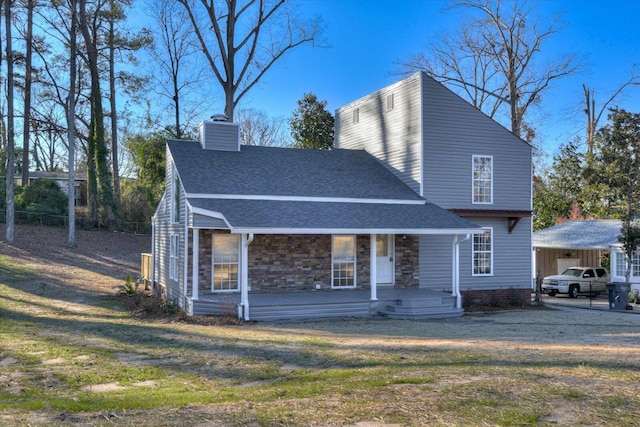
(220, 118)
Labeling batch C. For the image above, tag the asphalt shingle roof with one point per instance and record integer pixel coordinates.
(587, 234)
(285, 172)
(314, 190)
(335, 216)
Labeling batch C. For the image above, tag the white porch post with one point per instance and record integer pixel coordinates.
(455, 271)
(244, 275)
(372, 269)
(195, 264)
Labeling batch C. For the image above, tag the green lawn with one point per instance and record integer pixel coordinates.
(80, 358)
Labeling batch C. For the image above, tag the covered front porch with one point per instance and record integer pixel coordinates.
(391, 302)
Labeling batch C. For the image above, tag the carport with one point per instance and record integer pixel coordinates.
(574, 243)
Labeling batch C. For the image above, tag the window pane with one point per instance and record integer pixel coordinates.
(382, 245)
(225, 248)
(482, 253)
(226, 256)
(482, 178)
(343, 248)
(344, 257)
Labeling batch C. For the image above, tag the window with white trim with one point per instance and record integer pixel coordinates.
(226, 262)
(175, 197)
(390, 103)
(356, 116)
(483, 253)
(482, 179)
(174, 255)
(621, 264)
(343, 261)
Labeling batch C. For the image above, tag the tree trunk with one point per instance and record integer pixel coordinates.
(114, 121)
(10, 130)
(71, 134)
(27, 93)
(96, 132)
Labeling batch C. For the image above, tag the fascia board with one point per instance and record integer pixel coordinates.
(303, 199)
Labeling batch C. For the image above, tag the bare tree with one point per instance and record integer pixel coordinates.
(593, 117)
(97, 146)
(10, 214)
(257, 128)
(71, 135)
(27, 91)
(242, 39)
(173, 51)
(494, 58)
(117, 42)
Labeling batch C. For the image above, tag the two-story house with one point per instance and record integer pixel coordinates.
(423, 199)
(456, 157)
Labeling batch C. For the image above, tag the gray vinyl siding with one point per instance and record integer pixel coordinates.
(164, 228)
(511, 258)
(220, 136)
(454, 131)
(393, 136)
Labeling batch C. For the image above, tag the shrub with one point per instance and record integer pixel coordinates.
(43, 202)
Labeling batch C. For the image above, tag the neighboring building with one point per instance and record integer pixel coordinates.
(583, 243)
(388, 222)
(62, 179)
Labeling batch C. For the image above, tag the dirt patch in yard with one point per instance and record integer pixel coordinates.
(100, 260)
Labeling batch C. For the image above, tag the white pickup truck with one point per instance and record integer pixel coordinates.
(577, 280)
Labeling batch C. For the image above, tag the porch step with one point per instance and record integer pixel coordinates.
(422, 308)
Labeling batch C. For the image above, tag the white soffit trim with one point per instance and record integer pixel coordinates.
(303, 199)
(424, 231)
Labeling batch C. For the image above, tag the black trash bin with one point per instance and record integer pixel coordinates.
(618, 295)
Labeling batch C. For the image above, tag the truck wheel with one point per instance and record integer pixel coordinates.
(573, 291)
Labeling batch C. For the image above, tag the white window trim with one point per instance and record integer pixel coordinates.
(473, 252)
(620, 260)
(355, 261)
(473, 181)
(213, 266)
(390, 102)
(174, 256)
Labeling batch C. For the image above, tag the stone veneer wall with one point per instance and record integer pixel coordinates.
(407, 255)
(291, 263)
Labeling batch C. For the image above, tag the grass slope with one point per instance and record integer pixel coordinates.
(72, 354)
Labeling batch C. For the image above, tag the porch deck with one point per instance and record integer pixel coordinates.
(393, 303)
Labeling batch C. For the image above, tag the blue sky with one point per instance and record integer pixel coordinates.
(367, 38)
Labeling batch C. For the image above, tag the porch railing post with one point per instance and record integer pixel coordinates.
(195, 264)
(244, 282)
(372, 268)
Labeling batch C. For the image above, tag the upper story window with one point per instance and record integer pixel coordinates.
(174, 255)
(483, 253)
(482, 179)
(390, 102)
(175, 197)
(343, 254)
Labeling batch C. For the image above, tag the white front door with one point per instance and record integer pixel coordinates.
(384, 258)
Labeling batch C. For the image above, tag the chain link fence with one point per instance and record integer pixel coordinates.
(81, 221)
